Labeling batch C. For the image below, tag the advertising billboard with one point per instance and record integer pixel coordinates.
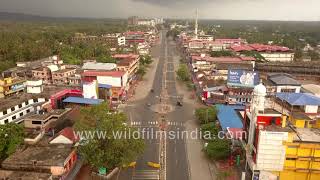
(17, 87)
(242, 78)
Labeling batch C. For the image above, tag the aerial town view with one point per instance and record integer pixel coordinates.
(159, 90)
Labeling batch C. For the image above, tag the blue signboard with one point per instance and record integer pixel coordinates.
(242, 78)
(17, 87)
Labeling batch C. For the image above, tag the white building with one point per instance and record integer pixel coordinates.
(34, 86)
(278, 56)
(15, 112)
(281, 82)
(147, 22)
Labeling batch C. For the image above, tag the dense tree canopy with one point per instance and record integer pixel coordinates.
(105, 148)
(206, 115)
(183, 73)
(11, 136)
(28, 41)
(218, 149)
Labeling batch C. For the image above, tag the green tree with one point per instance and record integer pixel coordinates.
(106, 59)
(254, 54)
(209, 128)
(183, 73)
(145, 60)
(141, 70)
(107, 150)
(206, 115)
(11, 136)
(218, 149)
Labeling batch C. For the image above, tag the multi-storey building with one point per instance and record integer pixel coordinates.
(128, 63)
(9, 86)
(278, 147)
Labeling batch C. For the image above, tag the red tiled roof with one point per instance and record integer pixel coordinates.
(259, 48)
(216, 59)
(69, 133)
(230, 40)
(134, 33)
(104, 73)
(122, 56)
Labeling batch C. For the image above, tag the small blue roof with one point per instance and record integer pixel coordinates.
(80, 100)
(299, 99)
(228, 116)
(106, 86)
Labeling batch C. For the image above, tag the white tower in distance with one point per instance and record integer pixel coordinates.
(196, 26)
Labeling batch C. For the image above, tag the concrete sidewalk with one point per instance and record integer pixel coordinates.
(200, 166)
(143, 87)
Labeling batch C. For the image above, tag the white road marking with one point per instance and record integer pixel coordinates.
(146, 174)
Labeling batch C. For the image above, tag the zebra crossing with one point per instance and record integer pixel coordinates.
(146, 174)
(155, 123)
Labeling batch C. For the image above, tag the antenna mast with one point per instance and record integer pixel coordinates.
(196, 26)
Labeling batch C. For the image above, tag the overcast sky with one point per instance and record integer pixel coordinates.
(213, 9)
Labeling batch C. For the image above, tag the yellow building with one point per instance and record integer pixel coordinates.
(10, 85)
(301, 120)
(302, 155)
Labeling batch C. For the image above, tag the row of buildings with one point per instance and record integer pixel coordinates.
(44, 96)
(136, 21)
(273, 117)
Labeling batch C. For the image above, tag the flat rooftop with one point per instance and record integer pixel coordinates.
(276, 128)
(307, 135)
(271, 111)
(300, 115)
(24, 175)
(50, 155)
(42, 117)
(19, 98)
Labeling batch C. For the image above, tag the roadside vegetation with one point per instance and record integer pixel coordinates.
(184, 76)
(106, 150)
(144, 61)
(216, 148)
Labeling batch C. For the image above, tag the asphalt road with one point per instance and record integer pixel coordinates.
(142, 116)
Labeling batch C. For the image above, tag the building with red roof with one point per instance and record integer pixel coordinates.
(217, 67)
(128, 63)
(229, 41)
(269, 52)
(65, 136)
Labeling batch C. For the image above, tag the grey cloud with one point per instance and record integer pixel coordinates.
(216, 9)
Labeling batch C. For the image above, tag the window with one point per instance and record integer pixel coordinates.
(36, 122)
(35, 100)
(5, 112)
(6, 121)
(27, 102)
(28, 110)
(21, 114)
(20, 105)
(14, 117)
(12, 109)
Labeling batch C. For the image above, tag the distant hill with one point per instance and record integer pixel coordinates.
(8, 16)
